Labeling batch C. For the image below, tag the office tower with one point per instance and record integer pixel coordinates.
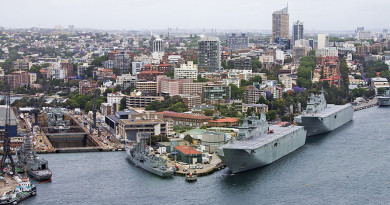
(280, 24)
(297, 31)
(323, 40)
(237, 42)
(209, 56)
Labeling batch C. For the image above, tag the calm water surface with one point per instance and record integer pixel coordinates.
(348, 166)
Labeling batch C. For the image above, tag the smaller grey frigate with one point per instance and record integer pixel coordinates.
(258, 144)
(385, 99)
(36, 166)
(140, 155)
(320, 117)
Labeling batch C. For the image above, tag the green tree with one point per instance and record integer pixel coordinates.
(117, 88)
(270, 115)
(123, 103)
(108, 90)
(188, 138)
(381, 91)
(256, 65)
(208, 112)
(170, 74)
(99, 60)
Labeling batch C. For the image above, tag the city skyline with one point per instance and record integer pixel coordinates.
(138, 15)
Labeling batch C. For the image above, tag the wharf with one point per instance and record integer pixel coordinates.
(364, 105)
(215, 164)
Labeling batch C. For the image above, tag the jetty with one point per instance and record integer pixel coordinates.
(365, 105)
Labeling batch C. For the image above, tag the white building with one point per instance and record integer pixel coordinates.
(287, 81)
(157, 57)
(188, 70)
(115, 97)
(56, 73)
(33, 77)
(379, 83)
(327, 52)
(323, 40)
(136, 67)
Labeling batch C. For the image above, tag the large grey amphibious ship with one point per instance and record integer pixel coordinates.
(319, 117)
(258, 144)
(141, 156)
(385, 99)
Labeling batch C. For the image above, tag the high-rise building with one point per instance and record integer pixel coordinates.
(297, 31)
(280, 24)
(209, 55)
(71, 28)
(323, 40)
(237, 42)
(158, 45)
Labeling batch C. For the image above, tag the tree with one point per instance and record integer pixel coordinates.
(117, 88)
(200, 79)
(188, 138)
(271, 115)
(123, 103)
(381, 91)
(130, 89)
(256, 65)
(108, 90)
(170, 74)
(99, 60)
(208, 112)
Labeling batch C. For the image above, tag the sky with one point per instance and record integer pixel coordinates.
(317, 15)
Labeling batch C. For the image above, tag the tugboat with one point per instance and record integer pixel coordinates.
(144, 158)
(191, 177)
(36, 167)
(24, 190)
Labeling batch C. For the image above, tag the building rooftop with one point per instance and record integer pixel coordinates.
(187, 150)
(224, 120)
(181, 115)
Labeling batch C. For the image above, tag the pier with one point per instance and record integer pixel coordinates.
(364, 105)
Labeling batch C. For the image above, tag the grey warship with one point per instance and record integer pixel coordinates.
(36, 166)
(258, 144)
(320, 117)
(144, 158)
(385, 99)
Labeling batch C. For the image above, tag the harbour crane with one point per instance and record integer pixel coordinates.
(7, 137)
(38, 105)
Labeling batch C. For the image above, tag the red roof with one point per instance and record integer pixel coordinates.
(224, 120)
(186, 116)
(150, 72)
(187, 150)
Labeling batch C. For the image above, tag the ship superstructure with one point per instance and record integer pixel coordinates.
(258, 144)
(56, 120)
(320, 117)
(37, 167)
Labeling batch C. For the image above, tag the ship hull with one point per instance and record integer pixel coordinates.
(240, 160)
(149, 168)
(41, 175)
(384, 101)
(316, 125)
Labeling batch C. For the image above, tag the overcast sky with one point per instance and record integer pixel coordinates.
(329, 15)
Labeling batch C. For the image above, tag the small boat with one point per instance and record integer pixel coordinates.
(190, 177)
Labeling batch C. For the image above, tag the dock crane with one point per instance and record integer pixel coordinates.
(7, 137)
(94, 110)
(38, 105)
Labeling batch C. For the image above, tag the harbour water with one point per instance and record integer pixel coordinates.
(347, 166)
